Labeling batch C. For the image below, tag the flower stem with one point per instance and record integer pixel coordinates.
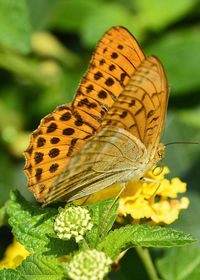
(147, 261)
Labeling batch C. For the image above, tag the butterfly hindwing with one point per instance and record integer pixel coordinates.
(111, 156)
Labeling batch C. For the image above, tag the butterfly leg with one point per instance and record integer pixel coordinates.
(149, 180)
(116, 198)
(152, 198)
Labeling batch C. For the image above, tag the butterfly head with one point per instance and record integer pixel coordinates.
(160, 153)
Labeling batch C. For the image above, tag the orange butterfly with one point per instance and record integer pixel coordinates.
(111, 131)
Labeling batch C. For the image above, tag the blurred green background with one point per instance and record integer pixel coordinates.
(45, 47)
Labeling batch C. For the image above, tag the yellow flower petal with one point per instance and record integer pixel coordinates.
(14, 255)
(167, 212)
(138, 208)
(171, 189)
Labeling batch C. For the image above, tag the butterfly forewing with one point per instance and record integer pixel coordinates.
(62, 134)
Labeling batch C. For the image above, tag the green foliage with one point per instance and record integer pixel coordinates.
(66, 16)
(142, 235)
(157, 15)
(33, 227)
(41, 267)
(180, 48)
(33, 83)
(109, 15)
(10, 274)
(180, 268)
(99, 211)
(35, 267)
(15, 27)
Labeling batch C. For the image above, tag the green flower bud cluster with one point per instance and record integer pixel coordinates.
(89, 265)
(72, 222)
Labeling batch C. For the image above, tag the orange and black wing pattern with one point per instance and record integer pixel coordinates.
(62, 133)
(141, 107)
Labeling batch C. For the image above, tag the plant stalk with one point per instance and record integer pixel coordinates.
(147, 261)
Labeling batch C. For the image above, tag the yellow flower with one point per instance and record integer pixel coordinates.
(153, 202)
(14, 255)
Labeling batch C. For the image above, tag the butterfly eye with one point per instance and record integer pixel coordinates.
(161, 154)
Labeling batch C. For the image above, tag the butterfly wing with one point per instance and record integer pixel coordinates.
(136, 119)
(141, 107)
(115, 60)
(112, 155)
(62, 134)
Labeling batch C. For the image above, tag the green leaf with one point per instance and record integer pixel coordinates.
(10, 274)
(15, 29)
(142, 235)
(99, 212)
(180, 264)
(33, 227)
(40, 12)
(70, 15)
(103, 18)
(157, 15)
(179, 53)
(40, 267)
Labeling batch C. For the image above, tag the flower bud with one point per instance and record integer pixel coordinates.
(73, 222)
(89, 265)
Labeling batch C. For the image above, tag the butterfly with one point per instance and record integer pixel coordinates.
(109, 133)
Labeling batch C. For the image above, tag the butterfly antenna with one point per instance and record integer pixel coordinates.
(180, 142)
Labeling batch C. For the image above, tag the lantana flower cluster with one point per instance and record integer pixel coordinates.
(72, 222)
(154, 202)
(89, 265)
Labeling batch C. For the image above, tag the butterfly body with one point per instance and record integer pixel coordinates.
(111, 131)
